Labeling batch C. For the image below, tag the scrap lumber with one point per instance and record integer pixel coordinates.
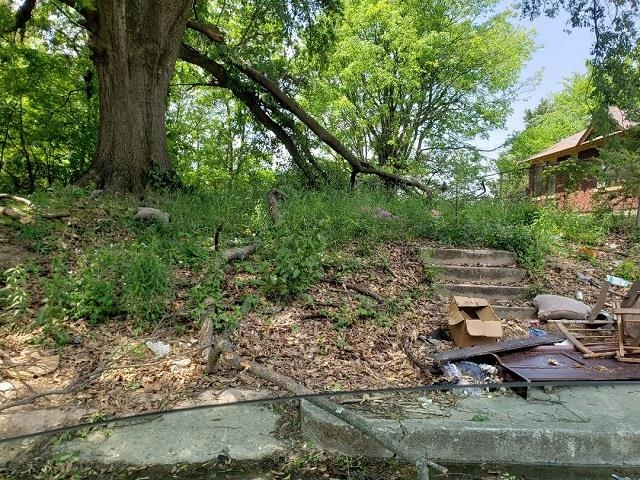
(506, 346)
(576, 343)
(595, 310)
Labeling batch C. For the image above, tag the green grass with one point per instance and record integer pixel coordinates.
(120, 267)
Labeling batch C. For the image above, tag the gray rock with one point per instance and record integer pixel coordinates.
(148, 214)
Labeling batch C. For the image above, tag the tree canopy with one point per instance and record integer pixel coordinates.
(136, 89)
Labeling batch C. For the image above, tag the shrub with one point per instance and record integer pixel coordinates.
(14, 298)
(112, 281)
(294, 263)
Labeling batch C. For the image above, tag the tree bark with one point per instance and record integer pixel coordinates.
(135, 46)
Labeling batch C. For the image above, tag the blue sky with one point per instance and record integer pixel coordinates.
(559, 55)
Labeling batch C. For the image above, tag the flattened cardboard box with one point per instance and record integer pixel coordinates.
(472, 321)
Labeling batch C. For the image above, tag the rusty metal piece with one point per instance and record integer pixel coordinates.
(568, 364)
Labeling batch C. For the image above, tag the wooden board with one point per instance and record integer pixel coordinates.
(506, 346)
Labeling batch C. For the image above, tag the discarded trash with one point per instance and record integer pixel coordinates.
(506, 346)
(579, 295)
(586, 252)
(555, 307)
(537, 332)
(472, 321)
(604, 315)
(466, 373)
(488, 369)
(382, 213)
(6, 386)
(617, 281)
(584, 278)
(178, 364)
(159, 348)
(185, 362)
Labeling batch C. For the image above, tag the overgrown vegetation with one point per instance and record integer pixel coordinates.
(103, 266)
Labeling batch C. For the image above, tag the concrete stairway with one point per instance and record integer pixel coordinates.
(490, 274)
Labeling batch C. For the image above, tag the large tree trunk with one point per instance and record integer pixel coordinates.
(135, 47)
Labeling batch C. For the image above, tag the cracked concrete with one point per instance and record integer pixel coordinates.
(577, 426)
(237, 432)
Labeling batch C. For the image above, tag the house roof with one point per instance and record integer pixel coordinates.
(564, 144)
(581, 140)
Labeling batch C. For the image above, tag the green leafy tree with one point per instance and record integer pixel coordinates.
(408, 83)
(47, 110)
(615, 49)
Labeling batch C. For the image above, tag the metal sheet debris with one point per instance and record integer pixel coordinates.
(563, 362)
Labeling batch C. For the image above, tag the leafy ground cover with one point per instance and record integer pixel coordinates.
(328, 298)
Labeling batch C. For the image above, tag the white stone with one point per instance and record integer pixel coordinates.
(148, 213)
(161, 349)
(6, 386)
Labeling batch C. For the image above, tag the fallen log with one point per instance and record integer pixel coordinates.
(351, 418)
(11, 213)
(16, 199)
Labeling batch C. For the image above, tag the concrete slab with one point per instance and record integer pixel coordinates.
(520, 313)
(459, 256)
(239, 432)
(22, 421)
(491, 275)
(490, 292)
(578, 426)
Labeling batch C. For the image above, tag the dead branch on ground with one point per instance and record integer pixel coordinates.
(351, 418)
(356, 288)
(8, 196)
(424, 368)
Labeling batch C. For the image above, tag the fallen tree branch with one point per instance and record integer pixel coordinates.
(323, 134)
(255, 106)
(79, 384)
(53, 216)
(424, 368)
(11, 213)
(357, 288)
(351, 418)
(8, 196)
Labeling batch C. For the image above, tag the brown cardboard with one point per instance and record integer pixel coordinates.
(472, 321)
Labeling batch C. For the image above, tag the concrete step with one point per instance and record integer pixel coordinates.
(489, 292)
(458, 256)
(520, 313)
(493, 275)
